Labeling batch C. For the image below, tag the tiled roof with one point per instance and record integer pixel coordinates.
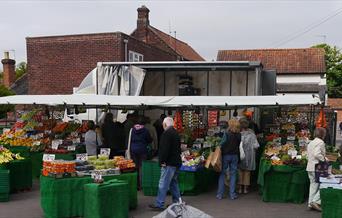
(178, 46)
(301, 60)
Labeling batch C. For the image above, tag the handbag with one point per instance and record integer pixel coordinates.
(321, 170)
(128, 151)
(242, 152)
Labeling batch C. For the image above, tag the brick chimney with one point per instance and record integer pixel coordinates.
(8, 76)
(143, 22)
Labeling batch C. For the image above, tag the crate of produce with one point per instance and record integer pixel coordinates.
(193, 168)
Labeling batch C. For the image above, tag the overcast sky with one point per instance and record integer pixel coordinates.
(207, 26)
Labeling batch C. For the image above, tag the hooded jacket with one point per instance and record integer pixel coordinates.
(140, 138)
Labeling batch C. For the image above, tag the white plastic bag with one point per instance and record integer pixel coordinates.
(180, 210)
(242, 152)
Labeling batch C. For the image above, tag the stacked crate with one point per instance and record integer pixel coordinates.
(150, 177)
(4, 185)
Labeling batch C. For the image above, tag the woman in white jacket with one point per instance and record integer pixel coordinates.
(316, 153)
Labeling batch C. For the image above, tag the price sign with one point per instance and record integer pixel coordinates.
(34, 137)
(1, 147)
(96, 175)
(76, 140)
(82, 157)
(55, 144)
(48, 157)
(72, 148)
(105, 151)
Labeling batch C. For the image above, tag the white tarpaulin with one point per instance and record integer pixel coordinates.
(109, 79)
(160, 101)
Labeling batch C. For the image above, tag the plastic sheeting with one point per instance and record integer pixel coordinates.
(160, 101)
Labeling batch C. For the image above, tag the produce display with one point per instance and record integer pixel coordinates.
(59, 168)
(7, 156)
(38, 131)
(102, 162)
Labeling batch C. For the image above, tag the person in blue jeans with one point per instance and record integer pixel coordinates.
(170, 161)
(230, 158)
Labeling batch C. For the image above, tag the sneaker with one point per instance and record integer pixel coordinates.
(234, 197)
(219, 197)
(156, 208)
(316, 206)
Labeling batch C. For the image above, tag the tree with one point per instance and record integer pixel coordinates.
(5, 108)
(20, 70)
(333, 60)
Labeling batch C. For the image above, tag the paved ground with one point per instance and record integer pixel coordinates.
(27, 205)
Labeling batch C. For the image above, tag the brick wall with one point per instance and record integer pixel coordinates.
(336, 104)
(58, 64)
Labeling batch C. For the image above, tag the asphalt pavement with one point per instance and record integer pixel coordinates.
(27, 205)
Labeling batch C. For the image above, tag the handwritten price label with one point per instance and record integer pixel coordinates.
(48, 157)
(105, 151)
(82, 157)
(72, 148)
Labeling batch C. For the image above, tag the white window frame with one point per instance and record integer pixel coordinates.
(135, 56)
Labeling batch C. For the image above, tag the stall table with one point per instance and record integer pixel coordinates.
(283, 183)
(65, 197)
(331, 202)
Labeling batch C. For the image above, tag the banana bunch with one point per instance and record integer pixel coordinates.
(5, 156)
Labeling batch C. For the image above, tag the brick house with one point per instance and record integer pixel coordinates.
(299, 71)
(57, 64)
(336, 104)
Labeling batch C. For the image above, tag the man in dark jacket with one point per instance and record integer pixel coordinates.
(170, 161)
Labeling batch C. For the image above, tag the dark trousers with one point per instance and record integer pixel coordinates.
(138, 159)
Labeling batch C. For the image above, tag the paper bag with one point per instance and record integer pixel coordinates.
(208, 161)
(216, 160)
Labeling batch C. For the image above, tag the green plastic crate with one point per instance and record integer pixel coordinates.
(150, 191)
(4, 197)
(109, 199)
(331, 200)
(4, 181)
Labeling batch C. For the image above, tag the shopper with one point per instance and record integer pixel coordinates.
(249, 144)
(230, 157)
(92, 139)
(131, 119)
(140, 138)
(340, 128)
(316, 153)
(159, 126)
(113, 136)
(170, 161)
(152, 130)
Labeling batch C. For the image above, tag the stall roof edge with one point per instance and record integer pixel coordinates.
(212, 65)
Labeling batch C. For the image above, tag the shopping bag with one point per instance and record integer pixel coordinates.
(208, 161)
(128, 151)
(216, 160)
(242, 152)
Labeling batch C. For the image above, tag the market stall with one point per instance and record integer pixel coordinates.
(197, 119)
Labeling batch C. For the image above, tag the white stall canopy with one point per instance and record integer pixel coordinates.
(91, 100)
